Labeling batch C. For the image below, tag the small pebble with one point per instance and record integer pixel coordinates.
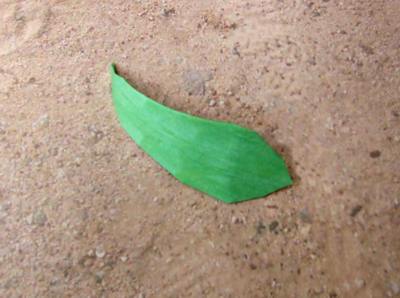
(273, 225)
(43, 121)
(305, 216)
(235, 220)
(356, 209)
(193, 82)
(5, 206)
(212, 103)
(394, 287)
(39, 218)
(333, 294)
(375, 154)
(305, 230)
(87, 262)
(90, 253)
(166, 12)
(100, 252)
(124, 259)
(359, 283)
(99, 276)
(260, 228)
(235, 51)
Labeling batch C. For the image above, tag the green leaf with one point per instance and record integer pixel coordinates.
(224, 160)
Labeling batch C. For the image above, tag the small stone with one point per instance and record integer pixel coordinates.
(124, 259)
(260, 228)
(316, 13)
(375, 154)
(100, 252)
(333, 294)
(43, 121)
(54, 281)
(96, 134)
(235, 220)
(5, 206)
(29, 219)
(39, 218)
(356, 209)
(88, 262)
(359, 283)
(305, 230)
(194, 83)
(273, 283)
(235, 51)
(305, 216)
(166, 12)
(90, 253)
(99, 276)
(394, 288)
(60, 174)
(329, 124)
(212, 103)
(273, 225)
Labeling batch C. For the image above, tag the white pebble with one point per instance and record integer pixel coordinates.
(100, 252)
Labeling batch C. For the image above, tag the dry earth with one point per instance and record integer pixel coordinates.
(85, 213)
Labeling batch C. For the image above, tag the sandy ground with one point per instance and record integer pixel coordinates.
(85, 213)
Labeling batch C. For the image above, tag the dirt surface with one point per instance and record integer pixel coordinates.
(85, 213)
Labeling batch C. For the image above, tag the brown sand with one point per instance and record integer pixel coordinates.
(85, 213)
